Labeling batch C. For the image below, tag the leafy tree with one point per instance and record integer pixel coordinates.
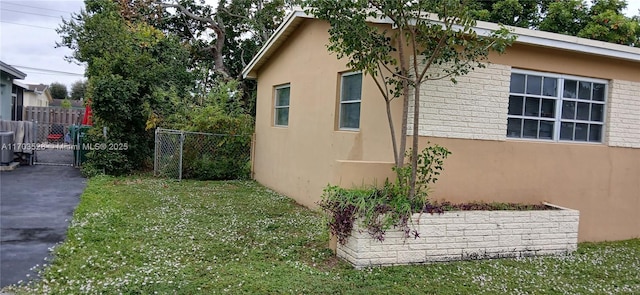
(78, 89)
(607, 23)
(565, 17)
(223, 40)
(519, 13)
(133, 70)
(602, 20)
(58, 90)
(423, 47)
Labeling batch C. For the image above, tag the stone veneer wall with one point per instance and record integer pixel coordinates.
(468, 235)
(473, 108)
(623, 114)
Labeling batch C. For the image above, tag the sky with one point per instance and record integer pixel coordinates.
(28, 38)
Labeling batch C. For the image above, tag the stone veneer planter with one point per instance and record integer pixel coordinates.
(468, 235)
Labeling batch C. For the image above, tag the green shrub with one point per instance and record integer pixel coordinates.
(379, 209)
(105, 156)
(209, 157)
(225, 155)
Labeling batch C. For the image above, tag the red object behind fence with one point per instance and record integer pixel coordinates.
(86, 120)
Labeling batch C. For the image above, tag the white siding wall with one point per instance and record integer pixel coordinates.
(623, 116)
(474, 108)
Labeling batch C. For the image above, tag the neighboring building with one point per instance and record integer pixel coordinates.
(556, 118)
(8, 94)
(75, 104)
(17, 93)
(37, 95)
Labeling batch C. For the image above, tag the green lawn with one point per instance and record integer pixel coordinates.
(150, 236)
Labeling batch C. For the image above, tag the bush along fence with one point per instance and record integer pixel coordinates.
(205, 156)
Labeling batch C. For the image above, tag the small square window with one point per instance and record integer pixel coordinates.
(598, 92)
(550, 87)
(515, 105)
(534, 85)
(514, 127)
(517, 83)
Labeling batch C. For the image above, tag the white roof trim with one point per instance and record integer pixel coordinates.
(525, 36)
(21, 85)
(12, 71)
(564, 42)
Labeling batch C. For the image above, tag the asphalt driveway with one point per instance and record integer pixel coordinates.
(36, 204)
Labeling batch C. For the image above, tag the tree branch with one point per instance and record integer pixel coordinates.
(212, 23)
(435, 53)
(218, 28)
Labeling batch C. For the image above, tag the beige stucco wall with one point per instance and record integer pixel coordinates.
(602, 182)
(300, 160)
(566, 62)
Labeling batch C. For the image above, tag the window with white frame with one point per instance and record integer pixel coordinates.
(556, 107)
(281, 112)
(350, 99)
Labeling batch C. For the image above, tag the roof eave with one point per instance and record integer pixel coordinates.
(524, 36)
(565, 42)
(21, 85)
(287, 26)
(13, 72)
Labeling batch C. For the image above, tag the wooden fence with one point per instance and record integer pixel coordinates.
(53, 115)
(46, 117)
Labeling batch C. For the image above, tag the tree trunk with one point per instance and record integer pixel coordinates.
(414, 149)
(392, 129)
(405, 101)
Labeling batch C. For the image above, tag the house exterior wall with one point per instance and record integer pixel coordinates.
(624, 114)
(596, 179)
(32, 99)
(301, 159)
(466, 109)
(600, 180)
(6, 82)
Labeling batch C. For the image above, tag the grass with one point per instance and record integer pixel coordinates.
(143, 235)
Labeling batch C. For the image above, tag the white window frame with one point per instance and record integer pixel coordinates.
(557, 119)
(276, 107)
(341, 102)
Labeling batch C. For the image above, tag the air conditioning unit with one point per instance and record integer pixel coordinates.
(6, 147)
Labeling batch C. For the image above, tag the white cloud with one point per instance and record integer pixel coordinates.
(28, 39)
(632, 8)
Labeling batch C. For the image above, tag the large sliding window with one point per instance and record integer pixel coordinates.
(281, 111)
(556, 107)
(350, 99)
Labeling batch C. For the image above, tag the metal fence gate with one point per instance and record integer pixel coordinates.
(198, 155)
(53, 133)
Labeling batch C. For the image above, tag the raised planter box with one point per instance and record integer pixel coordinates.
(468, 235)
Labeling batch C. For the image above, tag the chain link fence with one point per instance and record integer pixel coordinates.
(198, 155)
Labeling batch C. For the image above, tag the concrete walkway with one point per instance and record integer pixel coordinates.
(36, 204)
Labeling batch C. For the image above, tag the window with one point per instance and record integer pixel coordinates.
(281, 112)
(556, 107)
(350, 98)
